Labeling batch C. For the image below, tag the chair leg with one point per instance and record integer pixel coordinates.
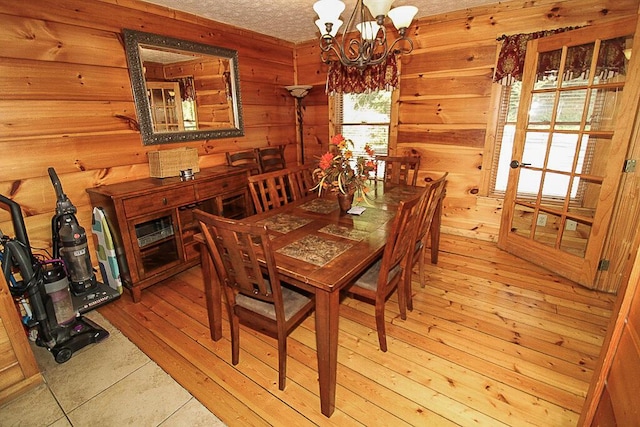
(380, 326)
(235, 339)
(421, 271)
(406, 282)
(282, 361)
(435, 232)
(403, 295)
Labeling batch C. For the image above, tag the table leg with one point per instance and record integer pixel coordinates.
(213, 294)
(327, 316)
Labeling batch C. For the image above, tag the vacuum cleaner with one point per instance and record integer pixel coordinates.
(48, 284)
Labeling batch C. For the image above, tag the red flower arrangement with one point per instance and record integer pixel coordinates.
(339, 171)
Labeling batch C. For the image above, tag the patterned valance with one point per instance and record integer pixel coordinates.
(343, 79)
(510, 66)
(187, 88)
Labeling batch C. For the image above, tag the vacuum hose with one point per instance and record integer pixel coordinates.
(16, 252)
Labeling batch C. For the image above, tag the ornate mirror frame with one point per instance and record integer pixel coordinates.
(133, 41)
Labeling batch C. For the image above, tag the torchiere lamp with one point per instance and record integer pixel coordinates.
(299, 92)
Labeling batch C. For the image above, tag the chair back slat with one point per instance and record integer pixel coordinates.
(400, 170)
(246, 158)
(303, 179)
(271, 158)
(400, 240)
(233, 246)
(272, 189)
(434, 191)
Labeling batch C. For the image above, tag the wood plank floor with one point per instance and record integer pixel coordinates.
(492, 340)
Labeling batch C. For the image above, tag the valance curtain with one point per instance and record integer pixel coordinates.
(187, 88)
(343, 79)
(510, 66)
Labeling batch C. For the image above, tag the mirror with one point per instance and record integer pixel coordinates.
(183, 91)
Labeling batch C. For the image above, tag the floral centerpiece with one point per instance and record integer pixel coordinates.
(340, 172)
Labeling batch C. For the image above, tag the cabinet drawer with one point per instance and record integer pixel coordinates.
(208, 189)
(161, 200)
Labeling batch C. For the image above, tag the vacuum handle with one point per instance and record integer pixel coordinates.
(56, 184)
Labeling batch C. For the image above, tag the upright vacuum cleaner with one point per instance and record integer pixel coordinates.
(48, 283)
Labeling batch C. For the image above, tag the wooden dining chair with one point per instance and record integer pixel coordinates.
(388, 273)
(400, 170)
(272, 189)
(430, 202)
(303, 179)
(254, 295)
(271, 158)
(246, 158)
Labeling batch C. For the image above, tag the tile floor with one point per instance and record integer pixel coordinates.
(111, 383)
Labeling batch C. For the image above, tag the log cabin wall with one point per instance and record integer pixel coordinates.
(447, 101)
(64, 83)
(65, 91)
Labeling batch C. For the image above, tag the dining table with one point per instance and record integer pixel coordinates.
(320, 249)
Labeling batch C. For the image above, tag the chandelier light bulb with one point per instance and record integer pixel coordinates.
(378, 7)
(328, 10)
(402, 16)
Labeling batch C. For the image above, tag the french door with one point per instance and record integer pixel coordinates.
(568, 153)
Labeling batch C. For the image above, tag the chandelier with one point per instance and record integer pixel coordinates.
(370, 47)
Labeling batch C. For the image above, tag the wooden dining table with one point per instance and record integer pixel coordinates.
(321, 250)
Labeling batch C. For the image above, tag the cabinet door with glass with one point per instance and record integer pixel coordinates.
(166, 106)
(157, 244)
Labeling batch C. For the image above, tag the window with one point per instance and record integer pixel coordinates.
(509, 101)
(563, 144)
(364, 118)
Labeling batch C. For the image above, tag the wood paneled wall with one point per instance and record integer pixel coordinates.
(64, 81)
(447, 99)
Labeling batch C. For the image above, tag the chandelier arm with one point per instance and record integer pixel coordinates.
(401, 50)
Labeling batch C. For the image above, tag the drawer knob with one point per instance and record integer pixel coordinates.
(164, 201)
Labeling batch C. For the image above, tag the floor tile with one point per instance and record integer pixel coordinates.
(91, 371)
(146, 397)
(35, 408)
(193, 414)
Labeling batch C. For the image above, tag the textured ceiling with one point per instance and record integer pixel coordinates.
(292, 20)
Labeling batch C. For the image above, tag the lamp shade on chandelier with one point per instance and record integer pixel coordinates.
(370, 46)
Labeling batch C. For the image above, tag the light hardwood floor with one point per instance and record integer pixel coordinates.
(493, 340)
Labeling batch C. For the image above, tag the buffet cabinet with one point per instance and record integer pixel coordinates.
(152, 221)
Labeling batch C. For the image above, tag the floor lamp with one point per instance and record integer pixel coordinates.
(299, 92)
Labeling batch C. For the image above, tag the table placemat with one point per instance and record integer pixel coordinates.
(284, 223)
(377, 215)
(314, 249)
(346, 232)
(320, 205)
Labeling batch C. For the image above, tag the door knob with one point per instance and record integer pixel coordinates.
(516, 164)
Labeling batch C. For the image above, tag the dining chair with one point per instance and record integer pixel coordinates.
(388, 273)
(254, 295)
(431, 201)
(271, 158)
(302, 176)
(272, 189)
(246, 158)
(400, 170)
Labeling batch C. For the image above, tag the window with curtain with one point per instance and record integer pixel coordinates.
(364, 118)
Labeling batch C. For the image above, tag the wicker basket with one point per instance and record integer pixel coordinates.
(166, 163)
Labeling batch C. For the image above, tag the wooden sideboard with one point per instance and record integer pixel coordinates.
(152, 220)
(19, 371)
